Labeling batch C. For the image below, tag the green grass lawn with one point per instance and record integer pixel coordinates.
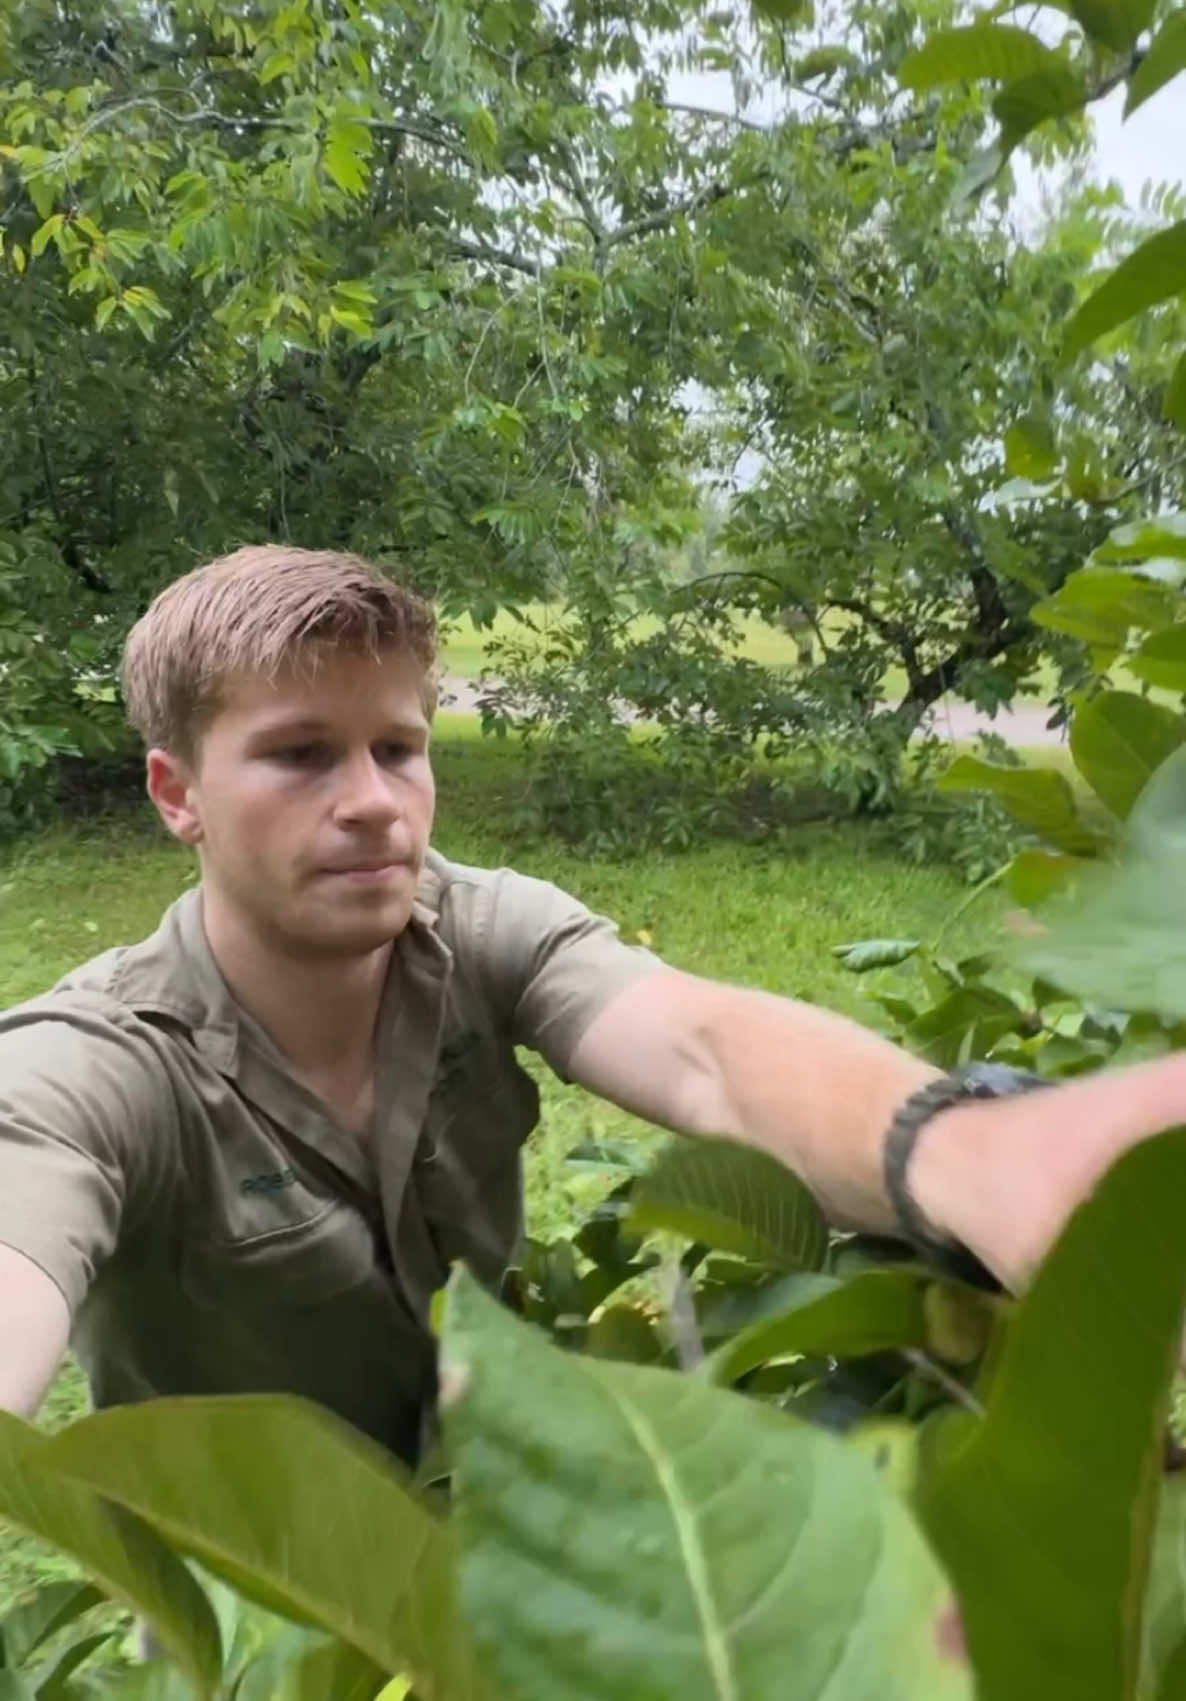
(762, 917)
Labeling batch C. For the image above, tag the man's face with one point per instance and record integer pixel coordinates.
(311, 802)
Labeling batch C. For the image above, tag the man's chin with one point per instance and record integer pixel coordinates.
(357, 935)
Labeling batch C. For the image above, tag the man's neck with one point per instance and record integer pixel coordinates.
(319, 1012)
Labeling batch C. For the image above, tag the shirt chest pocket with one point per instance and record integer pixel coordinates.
(319, 1250)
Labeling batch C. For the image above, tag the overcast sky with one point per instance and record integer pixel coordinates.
(1150, 146)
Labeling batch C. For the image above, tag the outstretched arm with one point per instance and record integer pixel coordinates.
(819, 1092)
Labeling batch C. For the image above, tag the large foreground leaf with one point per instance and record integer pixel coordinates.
(1119, 942)
(629, 1534)
(1044, 1514)
(1116, 23)
(1156, 271)
(1143, 540)
(127, 1560)
(1020, 107)
(295, 1509)
(1119, 741)
(734, 1199)
(1161, 659)
(1100, 605)
(976, 50)
(1036, 797)
(1165, 58)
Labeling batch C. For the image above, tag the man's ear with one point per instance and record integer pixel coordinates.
(170, 784)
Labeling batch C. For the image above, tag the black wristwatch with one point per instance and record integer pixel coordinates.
(974, 1081)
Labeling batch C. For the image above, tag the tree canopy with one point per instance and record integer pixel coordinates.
(472, 289)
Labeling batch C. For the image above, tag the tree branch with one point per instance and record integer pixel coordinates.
(706, 197)
(712, 113)
(465, 250)
(576, 183)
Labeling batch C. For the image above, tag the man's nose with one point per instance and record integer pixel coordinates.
(366, 793)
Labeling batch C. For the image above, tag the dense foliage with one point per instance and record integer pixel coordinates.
(473, 290)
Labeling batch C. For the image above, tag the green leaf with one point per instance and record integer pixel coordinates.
(1115, 23)
(1174, 405)
(1141, 540)
(959, 1321)
(1165, 57)
(27, 1625)
(732, 1198)
(1118, 741)
(1029, 448)
(126, 1559)
(1044, 1511)
(746, 1302)
(1000, 51)
(1038, 798)
(622, 1332)
(865, 954)
(1100, 605)
(874, 1312)
(1161, 659)
(1053, 92)
(293, 1508)
(347, 144)
(351, 320)
(823, 62)
(629, 1532)
(1115, 942)
(1165, 1599)
(1035, 875)
(1154, 272)
(51, 1682)
(297, 1668)
(966, 1023)
(45, 233)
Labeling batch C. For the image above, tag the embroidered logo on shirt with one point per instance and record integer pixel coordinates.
(270, 1183)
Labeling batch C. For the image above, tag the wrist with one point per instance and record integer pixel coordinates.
(930, 1159)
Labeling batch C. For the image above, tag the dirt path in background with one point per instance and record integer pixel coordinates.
(952, 719)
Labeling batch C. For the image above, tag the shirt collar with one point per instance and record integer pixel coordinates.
(173, 972)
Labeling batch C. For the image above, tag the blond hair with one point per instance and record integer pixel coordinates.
(254, 612)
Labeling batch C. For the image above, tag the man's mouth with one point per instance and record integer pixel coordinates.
(365, 870)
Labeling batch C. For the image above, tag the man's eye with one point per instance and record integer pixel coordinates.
(301, 755)
(393, 752)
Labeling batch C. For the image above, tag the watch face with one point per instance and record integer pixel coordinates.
(997, 1080)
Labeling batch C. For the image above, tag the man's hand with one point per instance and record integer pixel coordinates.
(1003, 1175)
(34, 1329)
(819, 1092)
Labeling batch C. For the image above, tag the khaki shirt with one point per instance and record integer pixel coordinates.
(212, 1228)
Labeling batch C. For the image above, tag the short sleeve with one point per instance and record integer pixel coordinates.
(554, 963)
(86, 1114)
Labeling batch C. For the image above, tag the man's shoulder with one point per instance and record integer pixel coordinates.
(466, 901)
(107, 985)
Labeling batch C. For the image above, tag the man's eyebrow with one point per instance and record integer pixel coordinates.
(286, 727)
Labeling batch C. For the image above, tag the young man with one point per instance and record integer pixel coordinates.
(242, 1154)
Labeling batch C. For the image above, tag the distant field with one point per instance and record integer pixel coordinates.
(464, 650)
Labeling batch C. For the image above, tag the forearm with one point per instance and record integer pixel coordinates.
(814, 1089)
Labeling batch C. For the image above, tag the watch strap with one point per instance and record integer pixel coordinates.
(973, 1081)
